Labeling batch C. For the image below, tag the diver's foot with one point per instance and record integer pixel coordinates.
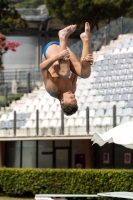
(86, 35)
(64, 33)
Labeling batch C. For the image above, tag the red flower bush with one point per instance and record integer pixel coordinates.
(5, 46)
(11, 45)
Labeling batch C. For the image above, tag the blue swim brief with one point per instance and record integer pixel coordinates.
(47, 45)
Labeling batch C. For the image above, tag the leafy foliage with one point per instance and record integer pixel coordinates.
(28, 182)
(10, 19)
(93, 11)
(11, 97)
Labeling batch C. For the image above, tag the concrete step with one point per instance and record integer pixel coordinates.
(31, 95)
(18, 105)
(42, 88)
(125, 35)
(24, 98)
(8, 109)
(36, 92)
(20, 101)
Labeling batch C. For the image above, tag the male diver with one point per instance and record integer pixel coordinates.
(60, 68)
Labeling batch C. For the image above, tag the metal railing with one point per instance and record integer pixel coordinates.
(25, 80)
(33, 11)
(34, 14)
(104, 35)
(61, 130)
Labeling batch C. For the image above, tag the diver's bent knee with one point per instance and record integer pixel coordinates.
(85, 75)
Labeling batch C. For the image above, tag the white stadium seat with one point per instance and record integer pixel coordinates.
(45, 123)
(97, 121)
(45, 108)
(4, 117)
(119, 111)
(28, 102)
(107, 121)
(99, 113)
(35, 102)
(31, 109)
(23, 109)
(109, 112)
(126, 119)
(69, 122)
(38, 107)
(33, 116)
(54, 107)
(90, 99)
(49, 115)
(127, 112)
(10, 116)
(82, 114)
(57, 115)
(43, 101)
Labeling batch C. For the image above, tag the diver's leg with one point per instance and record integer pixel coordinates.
(82, 68)
(62, 66)
(64, 70)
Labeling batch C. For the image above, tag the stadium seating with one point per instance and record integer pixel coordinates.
(110, 83)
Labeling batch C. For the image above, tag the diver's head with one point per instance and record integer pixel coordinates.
(68, 103)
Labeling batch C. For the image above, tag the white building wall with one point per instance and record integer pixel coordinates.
(26, 55)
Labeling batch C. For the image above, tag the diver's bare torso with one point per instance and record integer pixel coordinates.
(55, 84)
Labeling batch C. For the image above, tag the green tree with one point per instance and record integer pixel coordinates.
(130, 11)
(10, 19)
(93, 11)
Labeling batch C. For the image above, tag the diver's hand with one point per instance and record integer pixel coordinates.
(64, 55)
(89, 58)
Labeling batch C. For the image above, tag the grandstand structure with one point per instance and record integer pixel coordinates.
(35, 133)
